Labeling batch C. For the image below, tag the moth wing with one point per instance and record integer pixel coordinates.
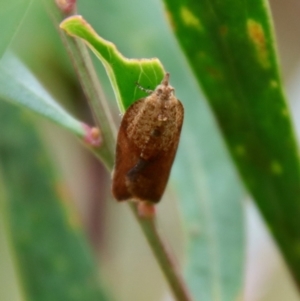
(147, 180)
(127, 155)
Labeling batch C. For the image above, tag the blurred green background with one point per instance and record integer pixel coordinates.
(138, 28)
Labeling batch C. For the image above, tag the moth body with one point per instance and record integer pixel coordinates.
(146, 146)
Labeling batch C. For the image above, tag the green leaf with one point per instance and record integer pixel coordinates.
(9, 287)
(230, 47)
(52, 257)
(11, 16)
(123, 73)
(212, 211)
(210, 199)
(20, 87)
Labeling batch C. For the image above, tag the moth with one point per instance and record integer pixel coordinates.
(146, 145)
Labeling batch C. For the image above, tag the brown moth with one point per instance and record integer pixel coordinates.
(146, 146)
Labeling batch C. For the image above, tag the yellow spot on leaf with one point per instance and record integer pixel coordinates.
(65, 198)
(276, 168)
(169, 17)
(274, 84)
(285, 112)
(201, 55)
(240, 150)
(258, 38)
(190, 19)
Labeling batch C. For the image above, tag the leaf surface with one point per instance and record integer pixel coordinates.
(11, 16)
(230, 47)
(125, 74)
(51, 254)
(19, 86)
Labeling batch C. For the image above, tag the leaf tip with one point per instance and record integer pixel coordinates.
(65, 24)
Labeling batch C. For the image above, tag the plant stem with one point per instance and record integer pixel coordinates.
(96, 99)
(89, 81)
(99, 107)
(163, 256)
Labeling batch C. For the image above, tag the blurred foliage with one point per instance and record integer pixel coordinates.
(207, 187)
(11, 15)
(52, 256)
(18, 86)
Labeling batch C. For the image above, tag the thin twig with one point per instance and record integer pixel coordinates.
(89, 81)
(98, 104)
(163, 256)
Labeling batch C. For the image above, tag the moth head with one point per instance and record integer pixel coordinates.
(164, 90)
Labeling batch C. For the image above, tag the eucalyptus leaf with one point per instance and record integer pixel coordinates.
(230, 47)
(11, 16)
(19, 86)
(51, 254)
(210, 198)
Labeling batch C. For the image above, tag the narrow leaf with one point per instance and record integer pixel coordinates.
(123, 73)
(11, 16)
(210, 199)
(20, 87)
(51, 254)
(230, 47)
